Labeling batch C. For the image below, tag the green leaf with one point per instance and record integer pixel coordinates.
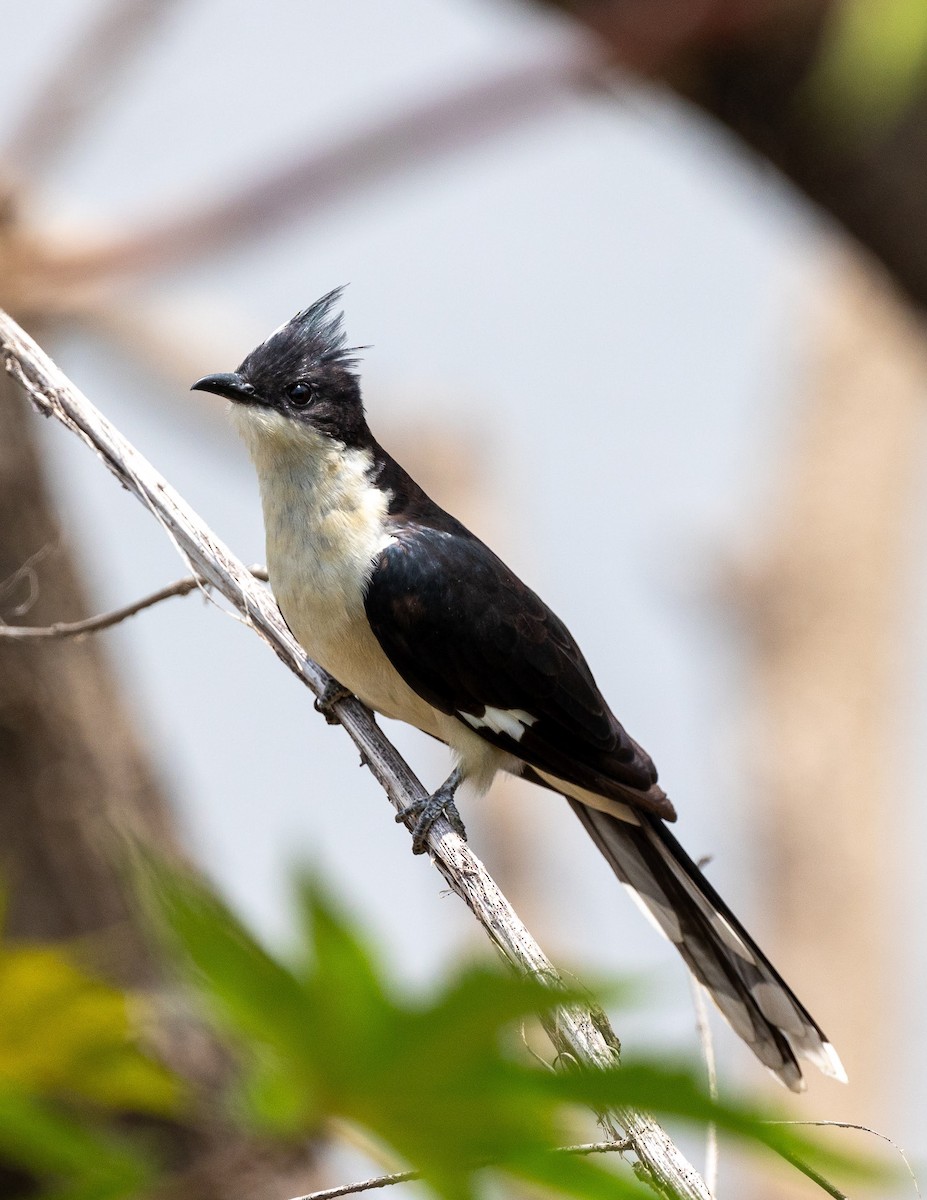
(63, 1032)
(348, 994)
(575, 1175)
(69, 1058)
(73, 1160)
(872, 65)
(259, 1001)
(247, 988)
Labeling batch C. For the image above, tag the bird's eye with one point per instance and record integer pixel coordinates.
(300, 393)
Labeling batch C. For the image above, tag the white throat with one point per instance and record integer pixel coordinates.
(325, 522)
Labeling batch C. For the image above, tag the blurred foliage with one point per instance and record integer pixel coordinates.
(69, 1060)
(442, 1083)
(872, 65)
(64, 1033)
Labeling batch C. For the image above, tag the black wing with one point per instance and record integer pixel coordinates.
(466, 634)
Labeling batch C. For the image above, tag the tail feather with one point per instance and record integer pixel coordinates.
(752, 996)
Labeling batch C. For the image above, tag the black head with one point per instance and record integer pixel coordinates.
(303, 372)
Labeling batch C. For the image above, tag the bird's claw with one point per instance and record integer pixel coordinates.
(427, 810)
(332, 694)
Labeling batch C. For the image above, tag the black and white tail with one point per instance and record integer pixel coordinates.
(751, 994)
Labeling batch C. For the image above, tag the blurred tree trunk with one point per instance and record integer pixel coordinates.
(73, 776)
(828, 608)
(875, 186)
(748, 63)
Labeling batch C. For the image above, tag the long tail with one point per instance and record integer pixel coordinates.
(751, 994)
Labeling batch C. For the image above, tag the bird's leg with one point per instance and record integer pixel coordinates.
(332, 694)
(429, 808)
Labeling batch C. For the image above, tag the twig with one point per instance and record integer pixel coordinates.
(585, 1148)
(861, 1129)
(581, 1032)
(309, 181)
(26, 571)
(69, 629)
(364, 1185)
(381, 1181)
(703, 1028)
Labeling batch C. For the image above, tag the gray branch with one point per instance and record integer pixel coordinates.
(79, 629)
(382, 1181)
(582, 1033)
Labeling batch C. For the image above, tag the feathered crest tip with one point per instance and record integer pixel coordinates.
(313, 337)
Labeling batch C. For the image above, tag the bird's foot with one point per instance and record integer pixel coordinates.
(333, 694)
(427, 810)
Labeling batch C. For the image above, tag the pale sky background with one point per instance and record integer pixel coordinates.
(605, 307)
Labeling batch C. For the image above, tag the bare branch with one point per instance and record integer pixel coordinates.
(26, 573)
(309, 181)
(381, 1181)
(580, 1032)
(585, 1148)
(80, 81)
(66, 629)
(364, 1185)
(703, 1028)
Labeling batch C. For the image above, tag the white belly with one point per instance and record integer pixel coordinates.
(319, 560)
(339, 638)
(335, 633)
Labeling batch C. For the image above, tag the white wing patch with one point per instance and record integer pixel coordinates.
(511, 721)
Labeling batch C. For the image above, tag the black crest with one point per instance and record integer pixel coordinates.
(312, 341)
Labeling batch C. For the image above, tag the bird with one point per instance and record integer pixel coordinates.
(410, 612)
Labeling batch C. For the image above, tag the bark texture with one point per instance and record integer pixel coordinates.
(74, 779)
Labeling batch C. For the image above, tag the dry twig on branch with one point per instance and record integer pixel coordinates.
(70, 629)
(581, 1033)
(382, 1181)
